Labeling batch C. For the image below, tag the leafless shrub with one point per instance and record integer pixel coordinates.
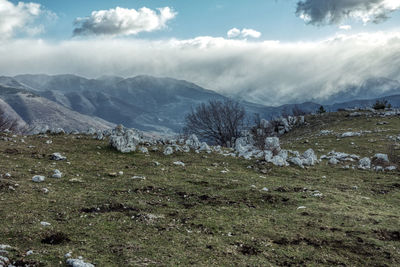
(218, 122)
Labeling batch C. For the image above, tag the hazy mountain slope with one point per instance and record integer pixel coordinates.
(143, 102)
(39, 111)
(10, 115)
(160, 104)
(369, 89)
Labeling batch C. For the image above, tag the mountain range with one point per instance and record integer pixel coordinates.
(144, 102)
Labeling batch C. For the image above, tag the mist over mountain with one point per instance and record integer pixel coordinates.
(149, 103)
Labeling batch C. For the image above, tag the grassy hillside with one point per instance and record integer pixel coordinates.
(213, 211)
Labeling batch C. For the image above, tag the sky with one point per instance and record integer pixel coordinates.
(266, 51)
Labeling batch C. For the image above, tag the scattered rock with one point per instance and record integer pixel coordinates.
(350, 134)
(138, 177)
(45, 223)
(364, 164)
(38, 178)
(78, 263)
(381, 158)
(179, 163)
(193, 142)
(57, 156)
(57, 174)
(168, 151)
(143, 150)
(333, 161)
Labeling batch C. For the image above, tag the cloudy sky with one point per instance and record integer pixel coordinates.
(267, 51)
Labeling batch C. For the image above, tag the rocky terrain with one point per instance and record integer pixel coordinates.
(325, 192)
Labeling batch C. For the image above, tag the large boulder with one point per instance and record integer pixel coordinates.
(193, 142)
(124, 140)
(364, 164)
(168, 151)
(204, 147)
(309, 158)
(272, 144)
(381, 158)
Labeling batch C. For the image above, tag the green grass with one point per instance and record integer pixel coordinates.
(196, 215)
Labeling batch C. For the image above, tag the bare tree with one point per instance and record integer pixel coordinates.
(218, 122)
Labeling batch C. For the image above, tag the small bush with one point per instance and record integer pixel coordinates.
(381, 105)
(321, 110)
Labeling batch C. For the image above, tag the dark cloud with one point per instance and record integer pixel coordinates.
(325, 12)
(268, 72)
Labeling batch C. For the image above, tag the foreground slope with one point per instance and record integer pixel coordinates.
(214, 210)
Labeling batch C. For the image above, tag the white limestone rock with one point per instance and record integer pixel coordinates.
(364, 164)
(143, 150)
(57, 174)
(272, 144)
(57, 156)
(38, 178)
(124, 140)
(78, 263)
(381, 157)
(168, 151)
(296, 161)
(279, 161)
(309, 158)
(350, 134)
(193, 142)
(204, 147)
(333, 161)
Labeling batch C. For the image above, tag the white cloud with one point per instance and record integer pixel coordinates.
(236, 33)
(233, 33)
(345, 27)
(268, 72)
(18, 18)
(251, 33)
(122, 21)
(323, 12)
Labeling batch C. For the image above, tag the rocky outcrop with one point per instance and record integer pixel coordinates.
(124, 140)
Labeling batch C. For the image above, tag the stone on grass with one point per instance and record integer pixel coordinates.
(204, 147)
(364, 164)
(57, 156)
(45, 223)
(193, 142)
(279, 161)
(57, 174)
(78, 263)
(186, 148)
(124, 140)
(179, 163)
(38, 178)
(143, 150)
(136, 177)
(309, 158)
(382, 158)
(168, 151)
(350, 134)
(296, 161)
(333, 161)
(391, 168)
